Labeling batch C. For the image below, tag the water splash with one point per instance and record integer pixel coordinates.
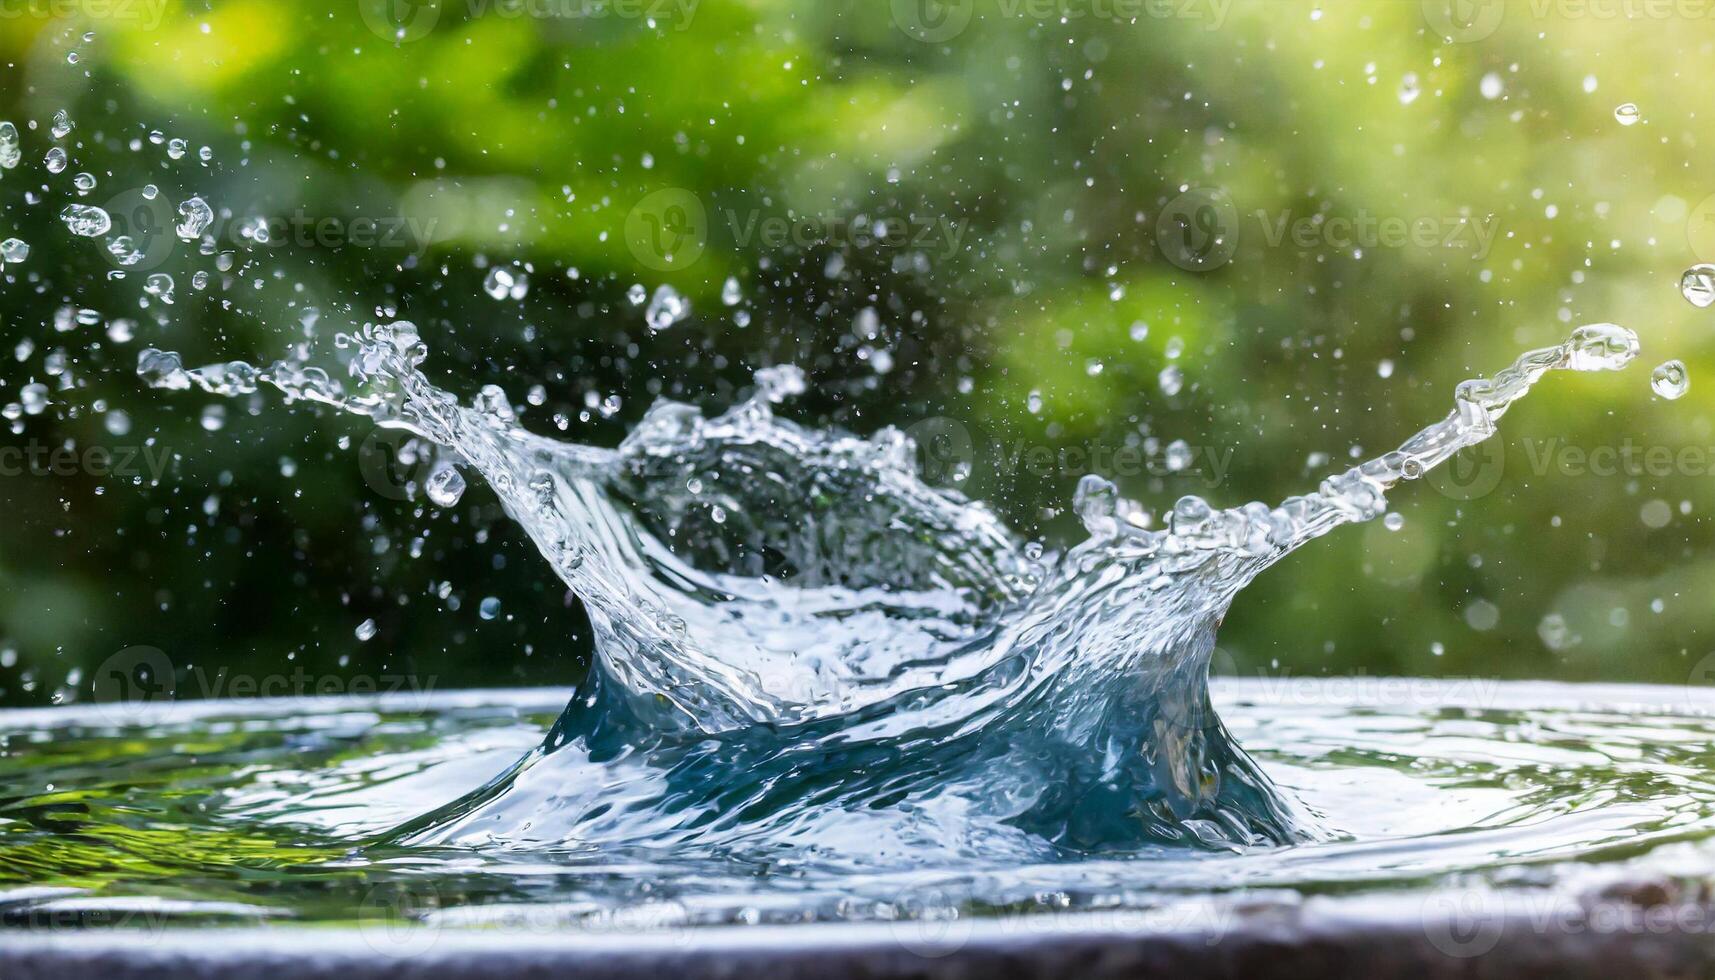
(800, 644)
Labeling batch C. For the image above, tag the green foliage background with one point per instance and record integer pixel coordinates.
(1051, 139)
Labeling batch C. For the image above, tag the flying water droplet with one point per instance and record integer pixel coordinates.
(55, 160)
(445, 485)
(14, 250)
(62, 125)
(160, 286)
(1409, 89)
(194, 216)
(1670, 380)
(490, 608)
(11, 152)
(86, 220)
(666, 308)
(1626, 113)
(34, 397)
(366, 630)
(1698, 285)
(1172, 380)
(1178, 456)
(504, 283)
(731, 292)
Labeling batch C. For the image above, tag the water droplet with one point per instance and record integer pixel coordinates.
(86, 220)
(1554, 632)
(490, 608)
(1172, 380)
(366, 630)
(14, 250)
(1670, 380)
(1385, 368)
(1626, 113)
(176, 148)
(1178, 456)
(194, 216)
(159, 285)
(55, 160)
(213, 418)
(84, 182)
(666, 308)
(637, 294)
(1491, 86)
(1409, 89)
(1698, 285)
(11, 151)
(506, 283)
(1393, 521)
(445, 485)
(732, 293)
(62, 125)
(34, 397)
(162, 369)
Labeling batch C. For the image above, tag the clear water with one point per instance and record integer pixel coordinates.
(235, 813)
(825, 690)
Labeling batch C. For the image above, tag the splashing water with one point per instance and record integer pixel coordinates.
(801, 645)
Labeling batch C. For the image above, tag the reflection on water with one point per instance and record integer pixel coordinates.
(222, 812)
